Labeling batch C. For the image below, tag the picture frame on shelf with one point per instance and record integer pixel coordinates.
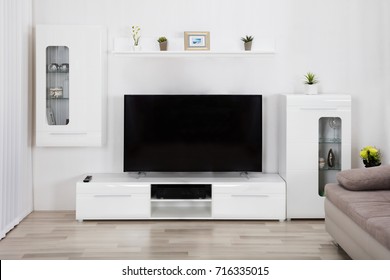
(197, 40)
(55, 92)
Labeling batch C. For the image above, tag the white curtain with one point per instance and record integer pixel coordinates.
(15, 112)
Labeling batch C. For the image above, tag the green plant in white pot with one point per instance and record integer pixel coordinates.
(247, 42)
(311, 83)
(163, 41)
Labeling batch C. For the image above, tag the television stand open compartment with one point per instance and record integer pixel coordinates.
(209, 196)
(191, 201)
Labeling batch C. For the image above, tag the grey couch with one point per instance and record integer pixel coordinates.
(357, 212)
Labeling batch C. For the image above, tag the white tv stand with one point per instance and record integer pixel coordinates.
(128, 196)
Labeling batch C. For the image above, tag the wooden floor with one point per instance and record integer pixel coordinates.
(57, 235)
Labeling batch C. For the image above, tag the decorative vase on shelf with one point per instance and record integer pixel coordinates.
(164, 46)
(247, 42)
(311, 89)
(248, 46)
(163, 43)
(136, 48)
(331, 158)
(311, 83)
(136, 34)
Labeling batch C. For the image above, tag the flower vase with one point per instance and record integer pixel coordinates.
(136, 48)
(248, 46)
(331, 158)
(311, 89)
(164, 46)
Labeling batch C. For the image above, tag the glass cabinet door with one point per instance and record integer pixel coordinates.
(329, 151)
(57, 85)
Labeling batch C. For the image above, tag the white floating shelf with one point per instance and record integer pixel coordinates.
(194, 53)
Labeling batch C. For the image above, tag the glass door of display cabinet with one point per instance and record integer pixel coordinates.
(329, 151)
(57, 85)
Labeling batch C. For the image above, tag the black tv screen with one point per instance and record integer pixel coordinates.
(193, 133)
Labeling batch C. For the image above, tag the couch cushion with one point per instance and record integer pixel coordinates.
(368, 209)
(373, 178)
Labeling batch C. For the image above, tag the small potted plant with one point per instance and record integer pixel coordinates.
(136, 34)
(371, 156)
(247, 42)
(163, 43)
(311, 83)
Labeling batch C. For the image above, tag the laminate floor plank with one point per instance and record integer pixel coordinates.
(57, 235)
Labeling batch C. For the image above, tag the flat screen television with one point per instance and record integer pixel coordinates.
(193, 133)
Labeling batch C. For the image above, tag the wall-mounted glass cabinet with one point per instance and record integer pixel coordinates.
(57, 85)
(71, 74)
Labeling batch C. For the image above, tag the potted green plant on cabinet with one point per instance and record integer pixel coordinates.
(247, 42)
(163, 41)
(311, 83)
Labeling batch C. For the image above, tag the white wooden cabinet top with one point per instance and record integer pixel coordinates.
(317, 100)
(185, 177)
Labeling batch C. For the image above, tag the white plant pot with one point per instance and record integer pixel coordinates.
(311, 89)
(136, 48)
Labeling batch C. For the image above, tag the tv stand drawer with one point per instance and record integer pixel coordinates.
(258, 200)
(249, 206)
(112, 206)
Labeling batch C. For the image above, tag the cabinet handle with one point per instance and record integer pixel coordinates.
(340, 100)
(134, 186)
(318, 108)
(68, 133)
(112, 195)
(250, 195)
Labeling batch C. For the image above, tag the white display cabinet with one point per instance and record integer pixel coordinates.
(70, 85)
(315, 144)
(230, 196)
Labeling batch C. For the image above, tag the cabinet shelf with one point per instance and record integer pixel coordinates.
(336, 168)
(329, 141)
(172, 212)
(57, 72)
(58, 98)
(180, 208)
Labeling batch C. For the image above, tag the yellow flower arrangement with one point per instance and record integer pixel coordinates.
(371, 156)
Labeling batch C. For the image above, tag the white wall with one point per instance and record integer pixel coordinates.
(345, 42)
